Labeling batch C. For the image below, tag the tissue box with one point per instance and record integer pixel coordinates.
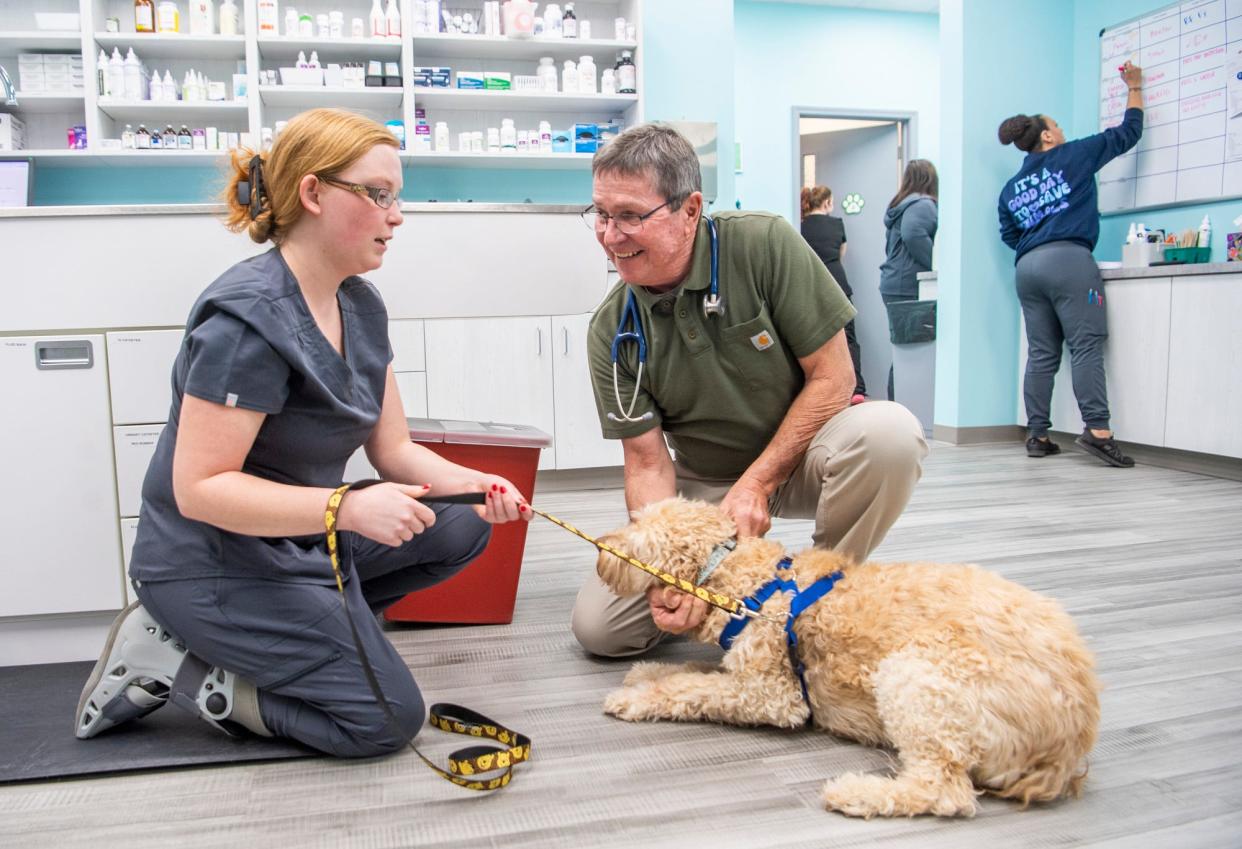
(470, 79)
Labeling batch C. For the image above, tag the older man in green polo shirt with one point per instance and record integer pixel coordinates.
(754, 402)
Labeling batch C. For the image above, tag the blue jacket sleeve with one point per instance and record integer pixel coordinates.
(918, 230)
(1104, 147)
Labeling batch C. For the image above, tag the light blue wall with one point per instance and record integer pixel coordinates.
(1090, 16)
(791, 55)
(996, 59)
(686, 69)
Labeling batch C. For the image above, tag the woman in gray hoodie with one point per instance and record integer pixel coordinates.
(911, 224)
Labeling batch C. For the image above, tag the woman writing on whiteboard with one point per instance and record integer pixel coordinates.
(1049, 215)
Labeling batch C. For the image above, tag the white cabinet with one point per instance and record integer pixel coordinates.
(493, 369)
(1136, 358)
(579, 444)
(1205, 365)
(140, 373)
(62, 553)
(134, 445)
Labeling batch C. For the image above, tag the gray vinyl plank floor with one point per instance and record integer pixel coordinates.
(1147, 560)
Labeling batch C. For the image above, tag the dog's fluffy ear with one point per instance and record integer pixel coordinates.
(621, 577)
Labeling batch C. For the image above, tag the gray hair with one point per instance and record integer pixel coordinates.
(655, 151)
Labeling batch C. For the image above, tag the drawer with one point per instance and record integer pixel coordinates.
(140, 374)
(406, 338)
(133, 446)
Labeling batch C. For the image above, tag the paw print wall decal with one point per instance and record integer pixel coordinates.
(853, 203)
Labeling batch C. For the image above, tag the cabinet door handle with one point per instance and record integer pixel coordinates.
(565, 336)
(538, 341)
(78, 353)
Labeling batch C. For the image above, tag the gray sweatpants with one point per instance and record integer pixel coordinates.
(292, 640)
(854, 480)
(1061, 293)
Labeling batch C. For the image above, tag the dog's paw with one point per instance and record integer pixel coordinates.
(867, 796)
(628, 703)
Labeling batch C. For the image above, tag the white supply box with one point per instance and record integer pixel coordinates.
(12, 132)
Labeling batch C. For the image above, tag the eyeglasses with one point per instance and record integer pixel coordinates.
(628, 223)
(383, 198)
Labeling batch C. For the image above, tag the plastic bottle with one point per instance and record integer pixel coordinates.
(131, 77)
(1132, 235)
(157, 141)
(202, 17)
(545, 137)
(301, 63)
(508, 136)
(185, 139)
(546, 73)
(393, 19)
(442, 137)
(569, 78)
(586, 75)
(269, 16)
(102, 83)
(627, 74)
(314, 60)
(167, 17)
(1205, 233)
(493, 140)
(170, 87)
(169, 140)
(228, 18)
(306, 25)
(116, 74)
(291, 22)
(142, 138)
(144, 16)
(569, 22)
(379, 23)
(607, 81)
(127, 137)
(552, 21)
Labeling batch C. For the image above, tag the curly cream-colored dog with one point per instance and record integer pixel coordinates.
(975, 681)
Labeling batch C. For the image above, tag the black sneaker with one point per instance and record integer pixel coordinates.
(1036, 447)
(1106, 449)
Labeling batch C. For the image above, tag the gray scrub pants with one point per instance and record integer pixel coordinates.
(1059, 288)
(855, 479)
(292, 640)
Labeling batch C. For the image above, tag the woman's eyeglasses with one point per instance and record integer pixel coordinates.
(384, 198)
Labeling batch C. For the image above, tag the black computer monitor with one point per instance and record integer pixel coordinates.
(16, 181)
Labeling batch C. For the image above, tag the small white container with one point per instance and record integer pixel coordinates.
(442, 137)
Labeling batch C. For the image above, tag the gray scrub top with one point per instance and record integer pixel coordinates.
(251, 342)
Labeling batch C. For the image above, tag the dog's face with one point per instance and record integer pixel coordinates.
(675, 535)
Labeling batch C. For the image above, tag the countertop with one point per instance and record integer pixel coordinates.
(219, 209)
(1148, 271)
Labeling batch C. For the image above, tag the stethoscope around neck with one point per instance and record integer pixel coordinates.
(630, 329)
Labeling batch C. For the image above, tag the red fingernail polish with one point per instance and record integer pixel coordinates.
(502, 489)
(522, 507)
(494, 487)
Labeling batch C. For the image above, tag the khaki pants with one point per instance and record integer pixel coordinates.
(854, 481)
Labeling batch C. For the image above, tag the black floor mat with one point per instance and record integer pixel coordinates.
(37, 705)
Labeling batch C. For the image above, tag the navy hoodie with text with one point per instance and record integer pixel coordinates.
(1053, 196)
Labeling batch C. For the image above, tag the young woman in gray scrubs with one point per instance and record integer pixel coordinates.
(284, 372)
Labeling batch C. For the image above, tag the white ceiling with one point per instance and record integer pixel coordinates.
(811, 126)
(926, 6)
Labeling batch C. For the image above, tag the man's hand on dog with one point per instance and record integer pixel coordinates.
(747, 505)
(674, 611)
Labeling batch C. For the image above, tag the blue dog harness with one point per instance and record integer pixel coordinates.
(802, 599)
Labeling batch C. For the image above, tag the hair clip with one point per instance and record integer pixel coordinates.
(250, 192)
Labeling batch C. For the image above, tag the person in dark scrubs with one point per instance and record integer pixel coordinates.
(284, 372)
(1050, 215)
(825, 233)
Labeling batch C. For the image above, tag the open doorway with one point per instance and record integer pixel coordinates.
(860, 157)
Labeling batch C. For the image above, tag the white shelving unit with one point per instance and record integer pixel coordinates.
(48, 115)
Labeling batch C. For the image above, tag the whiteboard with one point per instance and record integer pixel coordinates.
(1191, 149)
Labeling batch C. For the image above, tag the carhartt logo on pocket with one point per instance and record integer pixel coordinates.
(762, 340)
